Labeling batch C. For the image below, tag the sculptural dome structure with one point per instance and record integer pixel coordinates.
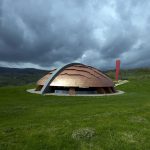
(75, 78)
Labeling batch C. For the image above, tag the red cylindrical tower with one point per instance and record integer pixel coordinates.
(117, 69)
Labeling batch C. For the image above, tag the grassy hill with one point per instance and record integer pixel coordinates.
(122, 122)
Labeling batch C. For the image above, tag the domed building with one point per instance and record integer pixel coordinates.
(75, 78)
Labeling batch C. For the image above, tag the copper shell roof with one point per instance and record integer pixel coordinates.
(78, 75)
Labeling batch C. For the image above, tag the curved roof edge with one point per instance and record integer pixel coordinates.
(54, 74)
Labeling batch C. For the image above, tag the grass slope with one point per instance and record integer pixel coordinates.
(29, 121)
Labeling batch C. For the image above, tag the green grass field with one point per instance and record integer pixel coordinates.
(35, 122)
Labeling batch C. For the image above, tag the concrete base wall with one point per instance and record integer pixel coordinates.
(110, 94)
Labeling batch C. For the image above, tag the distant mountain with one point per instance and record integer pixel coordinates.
(16, 76)
(20, 70)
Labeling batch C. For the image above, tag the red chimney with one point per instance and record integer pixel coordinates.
(117, 69)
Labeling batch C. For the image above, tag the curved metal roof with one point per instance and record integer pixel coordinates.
(75, 75)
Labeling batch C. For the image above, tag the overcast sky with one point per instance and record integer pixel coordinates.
(48, 33)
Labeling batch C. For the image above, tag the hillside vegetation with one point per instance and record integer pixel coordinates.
(142, 73)
(14, 76)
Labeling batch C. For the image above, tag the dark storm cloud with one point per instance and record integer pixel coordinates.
(95, 32)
